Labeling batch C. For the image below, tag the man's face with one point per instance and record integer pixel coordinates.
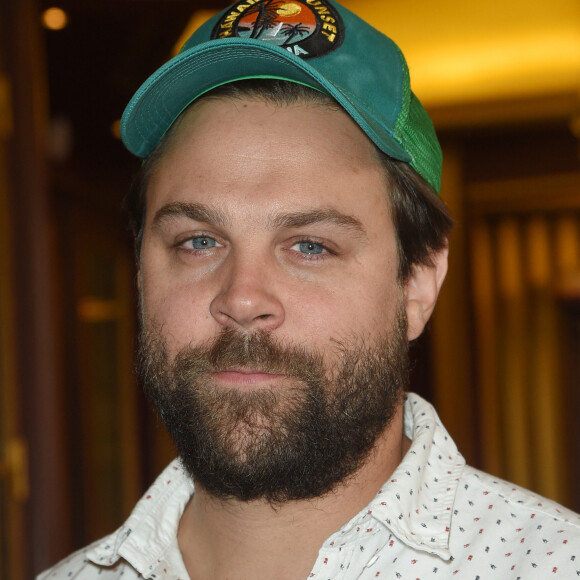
(268, 238)
(274, 218)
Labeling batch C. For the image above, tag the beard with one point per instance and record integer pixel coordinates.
(296, 440)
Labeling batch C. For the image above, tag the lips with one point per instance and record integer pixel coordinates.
(248, 377)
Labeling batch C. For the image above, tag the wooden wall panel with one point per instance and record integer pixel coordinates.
(524, 261)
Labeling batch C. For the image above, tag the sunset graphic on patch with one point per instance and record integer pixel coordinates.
(281, 23)
(306, 28)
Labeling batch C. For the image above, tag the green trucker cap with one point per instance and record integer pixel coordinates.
(318, 43)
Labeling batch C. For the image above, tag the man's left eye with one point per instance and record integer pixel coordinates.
(310, 248)
(201, 243)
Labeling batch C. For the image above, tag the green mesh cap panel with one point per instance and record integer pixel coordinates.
(420, 140)
(340, 54)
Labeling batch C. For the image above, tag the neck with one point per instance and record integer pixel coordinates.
(222, 539)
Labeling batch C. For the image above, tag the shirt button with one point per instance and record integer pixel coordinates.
(372, 561)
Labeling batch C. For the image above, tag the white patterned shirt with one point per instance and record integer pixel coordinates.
(435, 518)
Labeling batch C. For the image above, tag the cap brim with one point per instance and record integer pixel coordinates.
(164, 96)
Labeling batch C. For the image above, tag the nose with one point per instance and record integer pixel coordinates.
(247, 298)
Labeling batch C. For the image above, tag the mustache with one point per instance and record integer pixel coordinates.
(257, 351)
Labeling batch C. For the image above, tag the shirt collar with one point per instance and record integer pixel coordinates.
(416, 503)
(145, 538)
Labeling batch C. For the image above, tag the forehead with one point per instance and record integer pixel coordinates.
(224, 143)
(320, 128)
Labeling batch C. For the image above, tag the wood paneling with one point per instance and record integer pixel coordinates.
(524, 258)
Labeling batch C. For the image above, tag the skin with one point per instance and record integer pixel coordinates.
(275, 217)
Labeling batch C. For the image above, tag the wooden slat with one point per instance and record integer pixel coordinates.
(544, 380)
(486, 319)
(12, 524)
(512, 344)
(527, 195)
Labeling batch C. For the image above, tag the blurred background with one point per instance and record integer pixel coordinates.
(500, 360)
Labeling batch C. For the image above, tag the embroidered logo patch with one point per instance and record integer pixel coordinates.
(306, 28)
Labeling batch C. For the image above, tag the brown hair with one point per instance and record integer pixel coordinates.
(422, 221)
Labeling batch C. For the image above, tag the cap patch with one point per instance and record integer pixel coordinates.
(306, 28)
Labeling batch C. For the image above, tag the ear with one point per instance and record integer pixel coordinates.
(421, 291)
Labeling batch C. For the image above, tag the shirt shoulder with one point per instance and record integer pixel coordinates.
(511, 532)
(489, 492)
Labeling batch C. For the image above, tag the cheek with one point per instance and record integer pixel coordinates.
(180, 313)
(362, 305)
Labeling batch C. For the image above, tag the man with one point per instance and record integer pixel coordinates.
(290, 244)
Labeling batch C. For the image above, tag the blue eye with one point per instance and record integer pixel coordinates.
(202, 243)
(310, 248)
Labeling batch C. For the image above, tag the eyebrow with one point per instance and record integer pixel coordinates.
(202, 213)
(316, 216)
(198, 212)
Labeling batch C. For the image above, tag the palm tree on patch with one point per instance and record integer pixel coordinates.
(267, 15)
(292, 30)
